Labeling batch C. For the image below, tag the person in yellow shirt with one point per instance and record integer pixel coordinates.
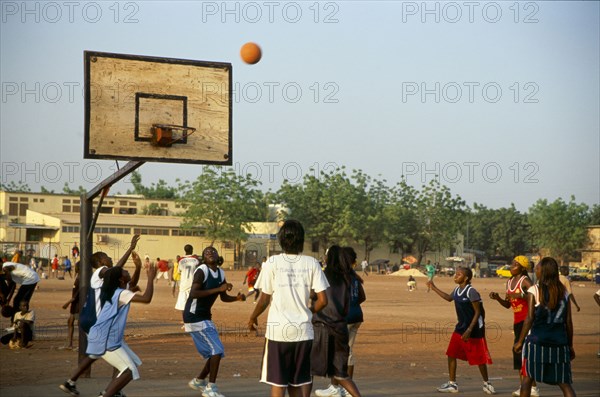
(176, 276)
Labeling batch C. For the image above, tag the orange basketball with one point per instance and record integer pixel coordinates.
(250, 53)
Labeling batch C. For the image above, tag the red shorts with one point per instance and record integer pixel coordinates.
(474, 350)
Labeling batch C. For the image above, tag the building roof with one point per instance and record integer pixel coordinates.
(32, 226)
(124, 220)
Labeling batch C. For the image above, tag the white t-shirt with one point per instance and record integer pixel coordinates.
(125, 297)
(96, 283)
(187, 267)
(565, 281)
(22, 275)
(289, 280)
(29, 316)
(535, 291)
(364, 264)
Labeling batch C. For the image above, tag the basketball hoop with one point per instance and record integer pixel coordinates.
(164, 135)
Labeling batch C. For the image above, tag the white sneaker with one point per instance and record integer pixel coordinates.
(345, 393)
(197, 384)
(331, 391)
(488, 388)
(449, 387)
(535, 391)
(517, 392)
(211, 390)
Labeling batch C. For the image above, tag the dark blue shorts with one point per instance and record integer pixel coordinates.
(286, 363)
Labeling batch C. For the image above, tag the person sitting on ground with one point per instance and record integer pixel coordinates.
(412, 283)
(22, 325)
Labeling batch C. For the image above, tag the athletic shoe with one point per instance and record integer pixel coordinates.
(197, 384)
(535, 391)
(211, 390)
(69, 388)
(517, 392)
(488, 388)
(331, 391)
(449, 387)
(345, 393)
(120, 394)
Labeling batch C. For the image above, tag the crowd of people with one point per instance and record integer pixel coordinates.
(314, 313)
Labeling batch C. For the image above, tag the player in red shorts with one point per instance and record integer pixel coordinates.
(468, 339)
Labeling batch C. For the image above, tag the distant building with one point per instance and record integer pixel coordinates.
(43, 225)
(590, 254)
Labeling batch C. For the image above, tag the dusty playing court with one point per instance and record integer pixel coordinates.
(399, 349)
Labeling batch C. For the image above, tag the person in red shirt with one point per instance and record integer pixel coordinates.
(163, 270)
(516, 289)
(54, 273)
(251, 278)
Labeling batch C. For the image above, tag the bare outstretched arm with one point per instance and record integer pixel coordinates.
(125, 257)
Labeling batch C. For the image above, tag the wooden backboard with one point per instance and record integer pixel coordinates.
(125, 95)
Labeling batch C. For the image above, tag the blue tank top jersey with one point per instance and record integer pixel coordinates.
(465, 311)
(549, 327)
(355, 313)
(199, 309)
(107, 333)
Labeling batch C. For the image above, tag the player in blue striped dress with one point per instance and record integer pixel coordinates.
(547, 336)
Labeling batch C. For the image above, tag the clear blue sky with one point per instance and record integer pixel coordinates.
(501, 99)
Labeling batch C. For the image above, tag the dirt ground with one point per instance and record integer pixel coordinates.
(404, 337)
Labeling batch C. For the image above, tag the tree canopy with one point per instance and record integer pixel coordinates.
(559, 227)
(222, 203)
(337, 208)
(158, 190)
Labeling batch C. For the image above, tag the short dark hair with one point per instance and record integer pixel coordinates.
(97, 259)
(467, 271)
(188, 249)
(291, 237)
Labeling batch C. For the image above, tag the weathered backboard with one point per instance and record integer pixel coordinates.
(125, 95)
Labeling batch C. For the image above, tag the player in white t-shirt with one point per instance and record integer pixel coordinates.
(187, 267)
(286, 281)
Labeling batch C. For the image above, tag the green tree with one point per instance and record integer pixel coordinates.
(365, 217)
(480, 223)
(439, 217)
(67, 190)
(16, 187)
(595, 215)
(322, 205)
(224, 204)
(158, 190)
(497, 232)
(401, 219)
(510, 233)
(559, 227)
